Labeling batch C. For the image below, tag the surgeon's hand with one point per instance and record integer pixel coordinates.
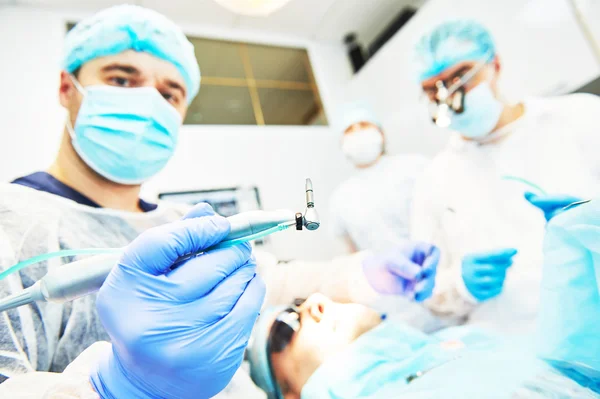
(177, 333)
(551, 205)
(407, 270)
(484, 273)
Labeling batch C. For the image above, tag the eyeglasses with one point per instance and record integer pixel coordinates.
(449, 95)
(286, 324)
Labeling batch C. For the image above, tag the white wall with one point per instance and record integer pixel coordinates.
(541, 48)
(540, 55)
(276, 159)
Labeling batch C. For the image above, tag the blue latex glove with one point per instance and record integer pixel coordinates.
(177, 333)
(551, 205)
(484, 273)
(407, 270)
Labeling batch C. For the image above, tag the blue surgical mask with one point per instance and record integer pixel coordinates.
(481, 114)
(126, 135)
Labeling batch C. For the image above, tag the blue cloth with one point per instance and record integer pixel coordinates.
(43, 181)
(177, 333)
(451, 43)
(129, 27)
(569, 319)
(394, 361)
(484, 273)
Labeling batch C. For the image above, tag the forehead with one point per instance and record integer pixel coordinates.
(147, 64)
(449, 73)
(360, 125)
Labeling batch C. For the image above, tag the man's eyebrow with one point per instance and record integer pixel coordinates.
(174, 85)
(459, 72)
(130, 69)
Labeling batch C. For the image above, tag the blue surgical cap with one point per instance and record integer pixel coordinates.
(451, 43)
(129, 27)
(256, 353)
(356, 112)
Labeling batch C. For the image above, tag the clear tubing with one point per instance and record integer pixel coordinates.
(58, 254)
(100, 251)
(526, 182)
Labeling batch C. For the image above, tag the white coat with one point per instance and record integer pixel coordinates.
(372, 207)
(464, 203)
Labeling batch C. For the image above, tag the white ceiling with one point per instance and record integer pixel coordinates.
(323, 20)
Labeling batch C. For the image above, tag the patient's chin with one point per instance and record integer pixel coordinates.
(353, 320)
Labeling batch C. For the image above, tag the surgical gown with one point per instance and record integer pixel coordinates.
(470, 199)
(49, 336)
(372, 207)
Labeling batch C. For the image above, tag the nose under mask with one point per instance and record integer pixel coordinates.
(126, 135)
(481, 113)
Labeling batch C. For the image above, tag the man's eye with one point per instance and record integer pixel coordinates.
(123, 82)
(173, 99)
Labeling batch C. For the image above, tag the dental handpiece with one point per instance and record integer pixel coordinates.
(86, 276)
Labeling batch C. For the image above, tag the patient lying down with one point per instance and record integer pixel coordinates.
(322, 349)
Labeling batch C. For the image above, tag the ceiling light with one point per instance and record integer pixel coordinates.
(255, 8)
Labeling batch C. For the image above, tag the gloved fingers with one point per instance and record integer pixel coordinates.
(247, 308)
(529, 196)
(432, 260)
(497, 255)
(200, 210)
(418, 251)
(492, 269)
(198, 276)
(490, 281)
(222, 299)
(548, 202)
(155, 250)
(487, 293)
(424, 289)
(405, 269)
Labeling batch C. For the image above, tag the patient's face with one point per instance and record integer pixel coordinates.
(326, 328)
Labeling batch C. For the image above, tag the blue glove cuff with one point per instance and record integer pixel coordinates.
(109, 379)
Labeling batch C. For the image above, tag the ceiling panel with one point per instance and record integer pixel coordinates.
(327, 20)
(297, 18)
(74, 5)
(193, 11)
(367, 19)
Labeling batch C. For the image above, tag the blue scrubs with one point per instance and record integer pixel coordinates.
(43, 181)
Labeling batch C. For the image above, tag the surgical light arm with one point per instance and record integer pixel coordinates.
(86, 276)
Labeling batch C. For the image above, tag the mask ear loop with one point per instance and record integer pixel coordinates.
(83, 92)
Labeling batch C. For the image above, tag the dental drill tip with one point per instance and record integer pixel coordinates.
(308, 184)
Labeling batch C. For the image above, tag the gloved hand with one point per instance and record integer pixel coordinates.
(551, 205)
(408, 270)
(484, 273)
(177, 333)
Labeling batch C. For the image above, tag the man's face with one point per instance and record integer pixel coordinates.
(127, 69)
(487, 73)
(326, 328)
